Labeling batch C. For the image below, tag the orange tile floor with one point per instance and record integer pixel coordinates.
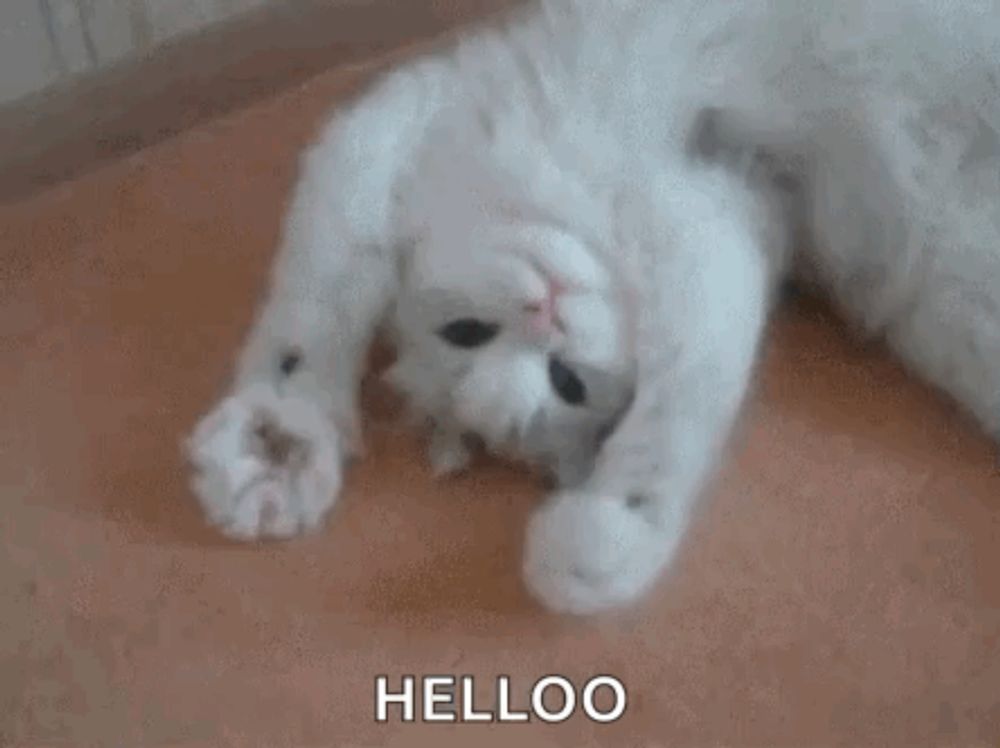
(841, 585)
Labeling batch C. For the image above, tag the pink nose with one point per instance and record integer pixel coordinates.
(543, 318)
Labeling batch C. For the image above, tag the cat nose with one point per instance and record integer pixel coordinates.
(543, 317)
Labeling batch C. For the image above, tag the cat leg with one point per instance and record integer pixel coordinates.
(948, 330)
(602, 544)
(908, 241)
(951, 335)
(268, 458)
(945, 322)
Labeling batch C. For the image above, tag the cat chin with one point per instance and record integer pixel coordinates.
(586, 553)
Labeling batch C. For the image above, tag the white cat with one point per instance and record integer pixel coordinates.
(573, 222)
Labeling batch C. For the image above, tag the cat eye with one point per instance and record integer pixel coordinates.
(468, 333)
(566, 383)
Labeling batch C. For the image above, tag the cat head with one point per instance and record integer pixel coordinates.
(519, 339)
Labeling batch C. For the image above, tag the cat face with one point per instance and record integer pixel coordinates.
(520, 340)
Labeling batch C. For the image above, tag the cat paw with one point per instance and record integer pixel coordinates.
(585, 554)
(448, 452)
(267, 464)
(571, 470)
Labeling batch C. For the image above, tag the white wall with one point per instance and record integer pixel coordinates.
(48, 41)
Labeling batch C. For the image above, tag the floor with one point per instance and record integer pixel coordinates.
(840, 586)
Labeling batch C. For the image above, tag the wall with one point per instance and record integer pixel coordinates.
(43, 42)
(68, 109)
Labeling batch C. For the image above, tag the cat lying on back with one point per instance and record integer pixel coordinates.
(573, 223)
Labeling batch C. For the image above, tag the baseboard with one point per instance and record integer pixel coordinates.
(63, 132)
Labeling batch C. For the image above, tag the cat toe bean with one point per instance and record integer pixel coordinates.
(267, 465)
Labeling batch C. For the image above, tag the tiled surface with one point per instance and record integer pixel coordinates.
(840, 586)
(49, 41)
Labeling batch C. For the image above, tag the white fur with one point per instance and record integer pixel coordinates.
(564, 146)
(242, 492)
(585, 554)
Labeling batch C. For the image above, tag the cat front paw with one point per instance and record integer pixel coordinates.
(586, 553)
(448, 452)
(266, 464)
